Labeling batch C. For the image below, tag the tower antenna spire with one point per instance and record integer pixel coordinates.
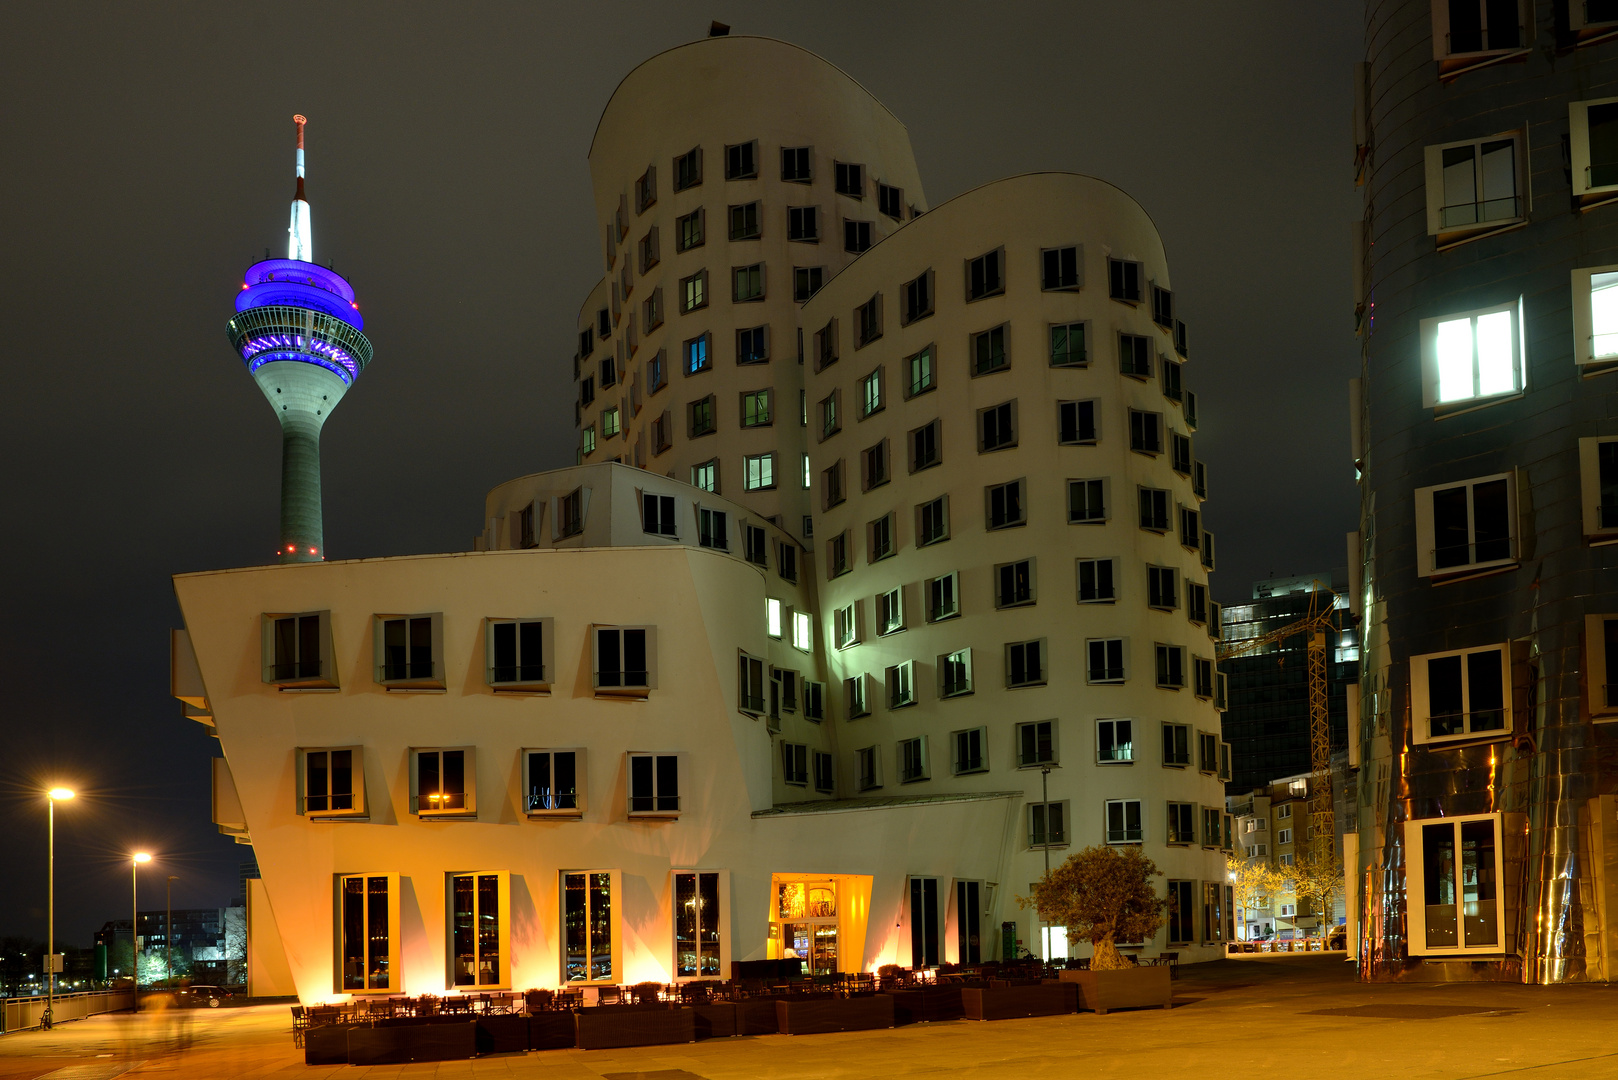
(300, 236)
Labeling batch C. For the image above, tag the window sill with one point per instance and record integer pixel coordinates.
(568, 814)
(1115, 761)
(662, 815)
(522, 689)
(640, 693)
(446, 815)
(335, 815)
(1031, 765)
(283, 689)
(1450, 575)
(395, 688)
(1445, 742)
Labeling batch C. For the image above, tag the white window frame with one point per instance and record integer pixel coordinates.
(899, 684)
(1420, 701)
(890, 611)
(1578, 126)
(1415, 864)
(1592, 351)
(1447, 59)
(791, 753)
(981, 736)
(918, 743)
(309, 673)
(944, 659)
(610, 690)
(954, 580)
(357, 807)
(1448, 235)
(1017, 741)
(803, 632)
(1052, 839)
(846, 625)
(395, 953)
(580, 779)
(658, 797)
(1430, 331)
(1110, 724)
(469, 782)
(751, 672)
(1116, 837)
(1603, 705)
(1078, 577)
(547, 656)
(408, 682)
(502, 919)
(1426, 537)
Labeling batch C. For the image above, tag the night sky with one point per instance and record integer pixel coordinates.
(148, 160)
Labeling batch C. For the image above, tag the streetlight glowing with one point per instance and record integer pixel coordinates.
(141, 856)
(61, 793)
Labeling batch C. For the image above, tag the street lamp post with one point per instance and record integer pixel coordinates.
(134, 915)
(168, 937)
(57, 794)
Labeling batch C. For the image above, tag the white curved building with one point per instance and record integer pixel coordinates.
(1013, 572)
(663, 718)
(732, 177)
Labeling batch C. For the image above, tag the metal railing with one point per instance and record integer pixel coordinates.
(1482, 212)
(276, 329)
(1484, 39)
(19, 1014)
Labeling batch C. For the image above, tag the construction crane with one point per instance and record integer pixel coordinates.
(1313, 625)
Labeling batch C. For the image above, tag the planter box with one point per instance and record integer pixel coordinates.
(818, 1016)
(756, 1016)
(552, 1031)
(608, 1029)
(421, 1042)
(502, 1034)
(326, 1045)
(928, 1004)
(714, 1019)
(1010, 1002)
(1126, 988)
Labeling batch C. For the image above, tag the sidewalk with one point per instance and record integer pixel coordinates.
(1261, 1015)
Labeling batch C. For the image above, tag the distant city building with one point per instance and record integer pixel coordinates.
(1486, 444)
(202, 938)
(1266, 717)
(1273, 827)
(881, 584)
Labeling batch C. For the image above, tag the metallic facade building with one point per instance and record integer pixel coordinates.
(1266, 718)
(1485, 810)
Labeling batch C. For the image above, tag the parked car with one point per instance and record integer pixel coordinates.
(1337, 937)
(197, 997)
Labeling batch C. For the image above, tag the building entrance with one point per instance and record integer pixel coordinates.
(807, 914)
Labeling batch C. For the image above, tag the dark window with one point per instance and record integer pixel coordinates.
(1106, 660)
(924, 451)
(1171, 380)
(1006, 505)
(1154, 509)
(1086, 501)
(1135, 355)
(657, 514)
(997, 427)
(1075, 422)
(849, 179)
(744, 221)
(1124, 280)
(741, 161)
(890, 201)
(1471, 524)
(989, 351)
(688, 169)
(1036, 743)
(518, 652)
(1014, 584)
(1163, 307)
(1176, 744)
(803, 223)
(1162, 589)
(621, 658)
(553, 781)
(1095, 581)
(1465, 693)
(856, 236)
(1059, 268)
(701, 417)
(806, 281)
(753, 345)
(1170, 666)
(407, 648)
(918, 298)
(1607, 479)
(654, 782)
(1145, 432)
(1025, 663)
(1067, 345)
(984, 275)
(689, 231)
(795, 165)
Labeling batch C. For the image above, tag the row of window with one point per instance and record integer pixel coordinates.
(1059, 269)
(519, 654)
(1005, 506)
(1015, 584)
(443, 783)
(1025, 664)
(1470, 34)
(743, 161)
(1123, 821)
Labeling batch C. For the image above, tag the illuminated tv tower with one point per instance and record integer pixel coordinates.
(300, 333)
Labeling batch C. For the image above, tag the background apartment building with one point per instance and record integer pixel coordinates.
(1487, 447)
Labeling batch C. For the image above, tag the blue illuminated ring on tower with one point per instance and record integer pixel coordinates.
(274, 332)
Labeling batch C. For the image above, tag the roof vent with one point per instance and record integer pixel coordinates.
(718, 29)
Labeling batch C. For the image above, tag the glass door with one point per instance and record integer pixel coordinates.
(807, 913)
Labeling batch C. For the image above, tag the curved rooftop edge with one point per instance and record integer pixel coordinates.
(986, 186)
(724, 42)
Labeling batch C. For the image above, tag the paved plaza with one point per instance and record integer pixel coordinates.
(1264, 1016)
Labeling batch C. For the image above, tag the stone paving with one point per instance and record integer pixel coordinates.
(1262, 1017)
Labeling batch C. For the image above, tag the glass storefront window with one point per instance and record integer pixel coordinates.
(696, 925)
(587, 927)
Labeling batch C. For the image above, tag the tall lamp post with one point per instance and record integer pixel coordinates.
(168, 937)
(134, 915)
(57, 794)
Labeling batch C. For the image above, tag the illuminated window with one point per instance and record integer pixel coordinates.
(590, 942)
(699, 921)
(443, 782)
(772, 617)
(706, 476)
(758, 472)
(803, 634)
(921, 372)
(1473, 355)
(694, 292)
(610, 425)
(368, 933)
(698, 354)
(480, 929)
(871, 393)
(756, 408)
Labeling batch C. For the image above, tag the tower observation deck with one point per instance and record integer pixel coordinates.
(301, 335)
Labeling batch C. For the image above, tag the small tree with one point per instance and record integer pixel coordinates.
(1253, 880)
(1316, 881)
(1101, 894)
